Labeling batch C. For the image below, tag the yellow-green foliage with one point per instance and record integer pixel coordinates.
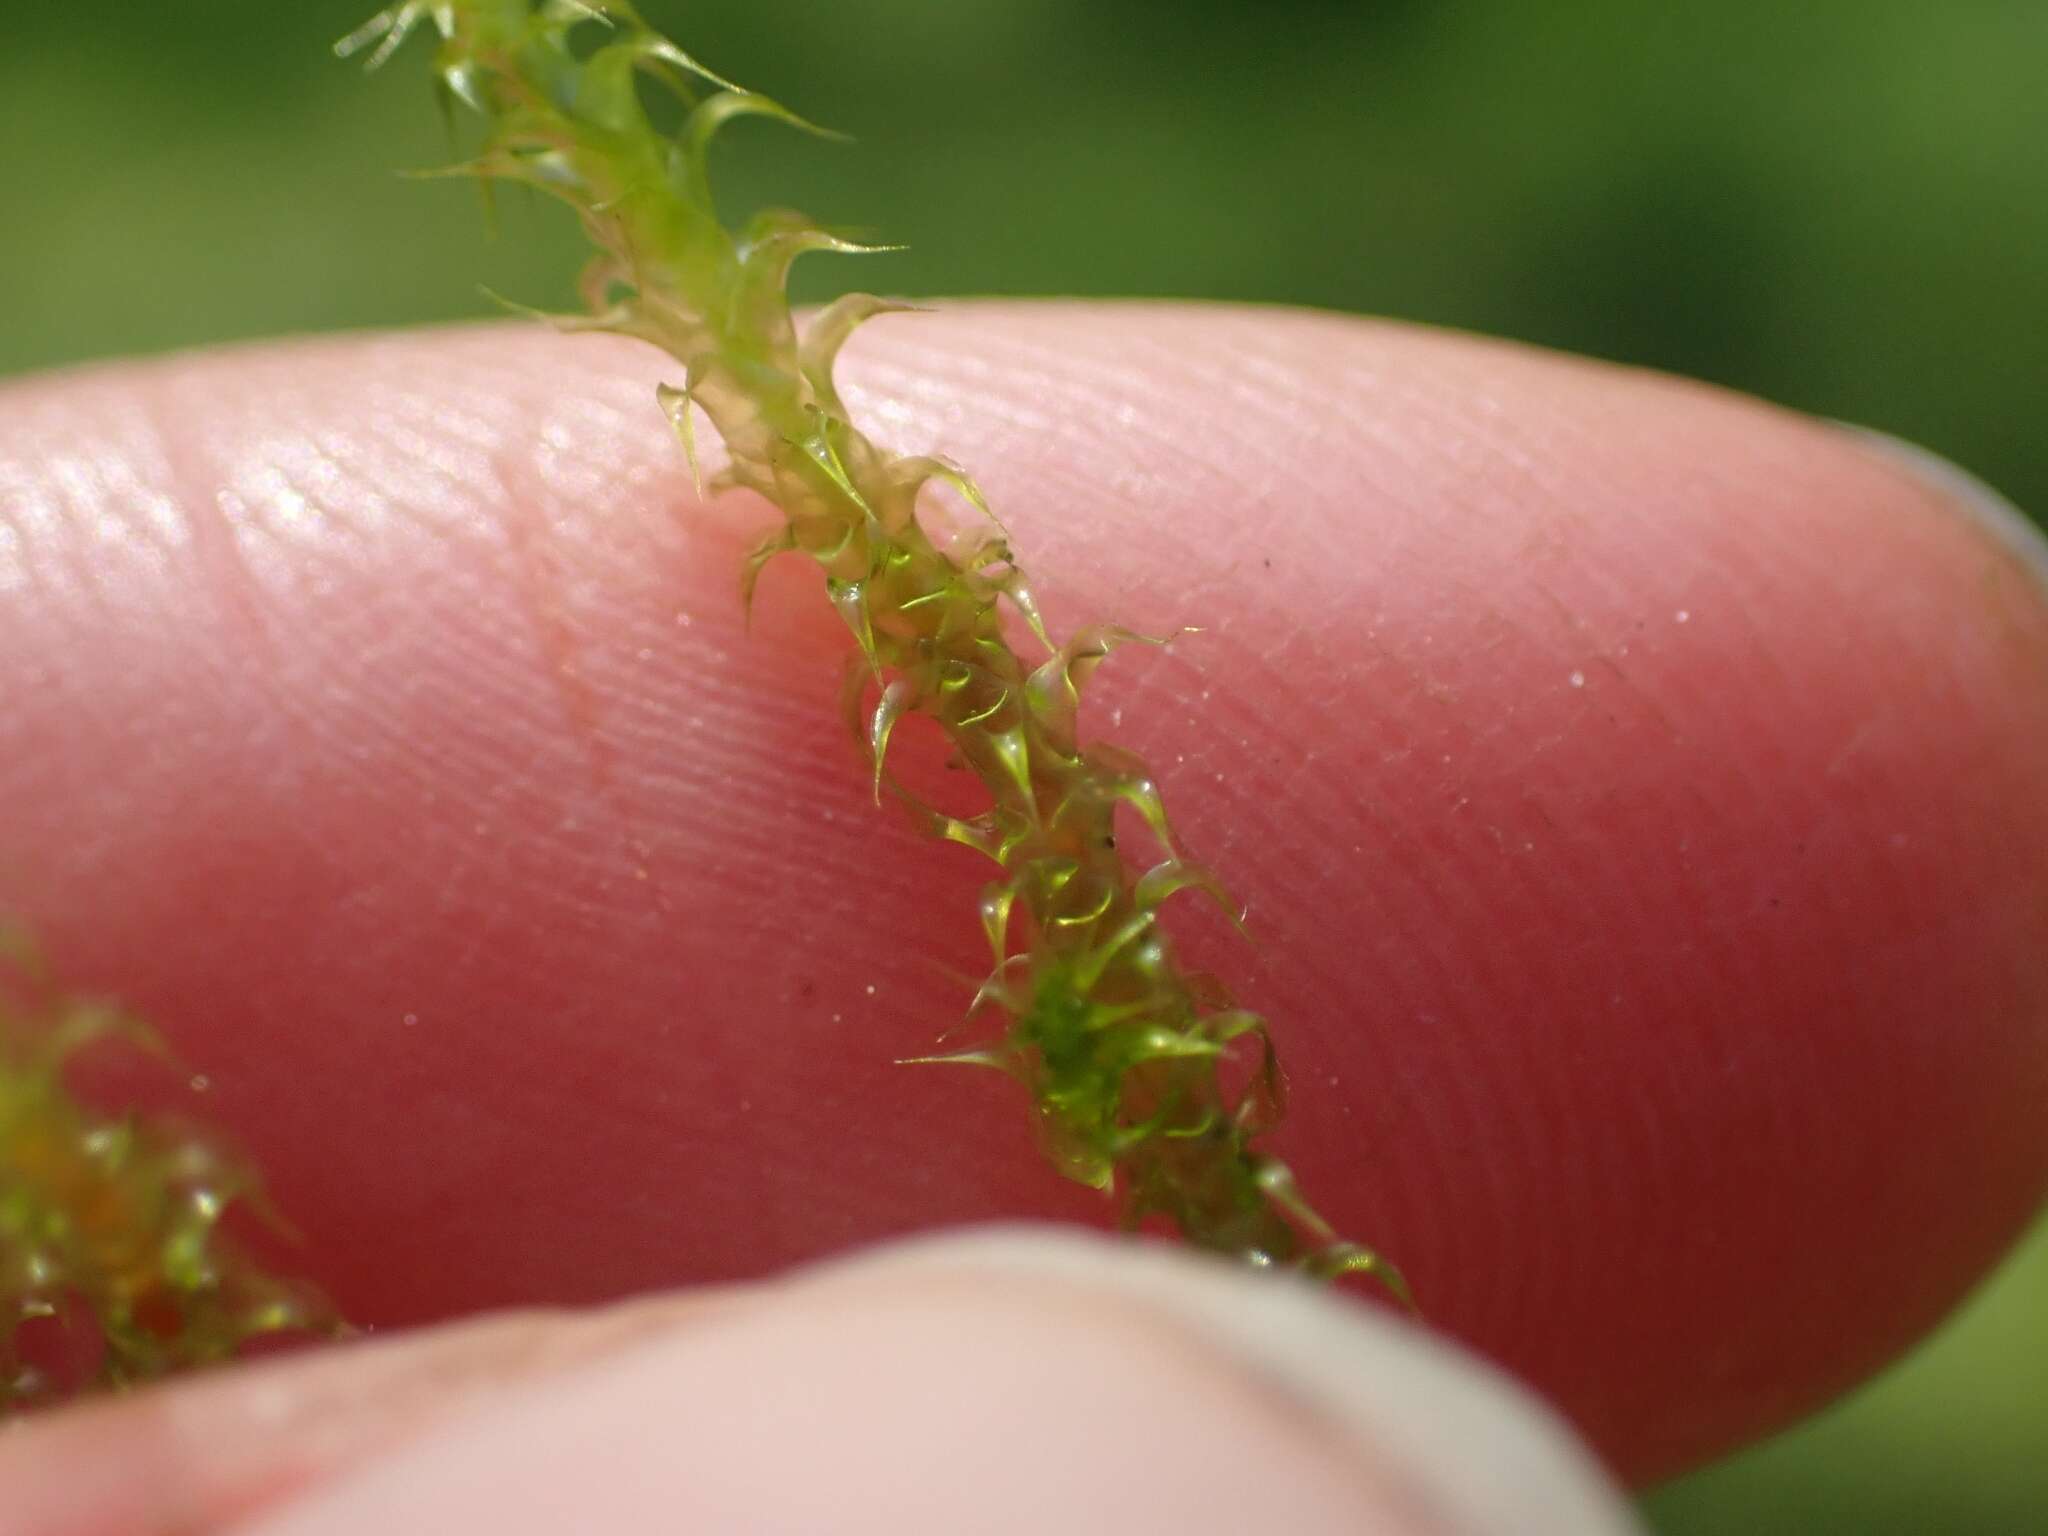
(1125, 1054)
(113, 1224)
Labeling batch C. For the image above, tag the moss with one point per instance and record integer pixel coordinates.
(1126, 1055)
(111, 1228)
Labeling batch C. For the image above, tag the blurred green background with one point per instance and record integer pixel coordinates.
(1838, 204)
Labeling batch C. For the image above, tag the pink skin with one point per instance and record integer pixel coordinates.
(1640, 795)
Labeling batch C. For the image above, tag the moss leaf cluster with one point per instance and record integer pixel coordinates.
(111, 1227)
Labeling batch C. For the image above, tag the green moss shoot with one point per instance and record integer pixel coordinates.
(1124, 1053)
(111, 1227)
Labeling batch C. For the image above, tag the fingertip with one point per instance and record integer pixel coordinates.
(1001, 1384)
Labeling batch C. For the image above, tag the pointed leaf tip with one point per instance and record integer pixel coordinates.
(393, 26)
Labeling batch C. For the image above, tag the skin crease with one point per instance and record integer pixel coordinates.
(1640, 796)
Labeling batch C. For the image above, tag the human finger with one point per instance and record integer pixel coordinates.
(1637, 793)
(994, 1381)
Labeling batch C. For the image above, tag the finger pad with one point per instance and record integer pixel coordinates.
(1639, 799)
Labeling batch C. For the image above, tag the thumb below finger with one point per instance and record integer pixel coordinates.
(1004, 1380)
